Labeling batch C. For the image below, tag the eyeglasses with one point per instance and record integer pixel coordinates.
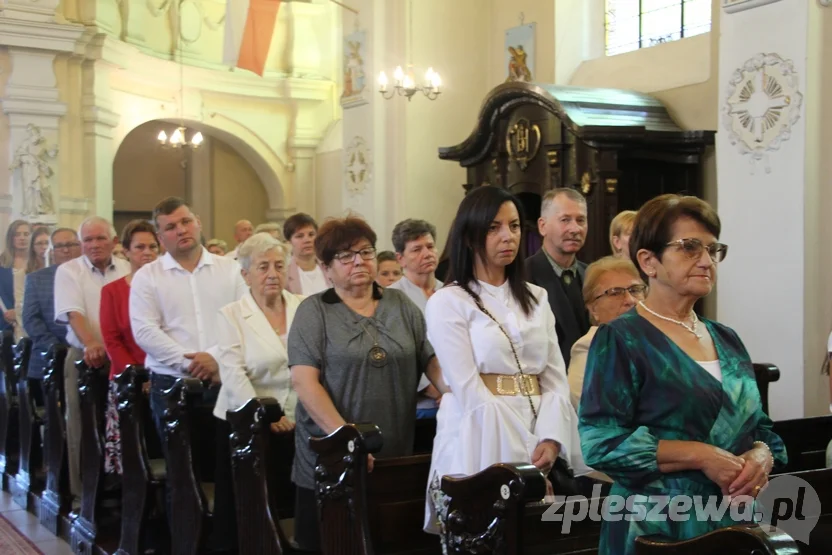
(693, 249)
(637, 291)
(62, 246)
(345, 257)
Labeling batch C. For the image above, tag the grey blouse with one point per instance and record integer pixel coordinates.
(327, 335)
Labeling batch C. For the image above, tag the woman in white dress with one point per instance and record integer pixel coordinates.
(484, 324)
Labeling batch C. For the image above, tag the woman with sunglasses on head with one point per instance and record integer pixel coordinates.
(612, 286)
(670, 406)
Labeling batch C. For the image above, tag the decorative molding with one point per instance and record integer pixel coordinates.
(357, 166)
(74, 205)
(354, 71)
(733, 6)
(762, 105)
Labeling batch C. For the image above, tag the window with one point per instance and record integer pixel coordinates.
(634, 24)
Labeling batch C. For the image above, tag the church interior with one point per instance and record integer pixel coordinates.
(261, 111)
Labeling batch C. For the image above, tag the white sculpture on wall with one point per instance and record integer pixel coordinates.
(31, 159)
(762, 105)
(357, 165)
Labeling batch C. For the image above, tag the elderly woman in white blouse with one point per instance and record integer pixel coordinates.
(494, 335)
(252, 357)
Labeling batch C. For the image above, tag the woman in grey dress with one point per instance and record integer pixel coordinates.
(356, 353)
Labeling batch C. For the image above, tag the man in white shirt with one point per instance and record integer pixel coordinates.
(415, 245)
(78, 286)
(242, 231)
(175, 305)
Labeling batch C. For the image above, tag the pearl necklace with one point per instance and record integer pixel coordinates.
(691, 329)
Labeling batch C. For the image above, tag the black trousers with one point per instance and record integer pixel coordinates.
(307, 531)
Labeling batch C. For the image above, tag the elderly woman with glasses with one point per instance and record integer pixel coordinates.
(356, 353)
(612, 286)
(670, 408)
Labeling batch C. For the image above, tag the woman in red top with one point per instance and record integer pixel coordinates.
(140, 247)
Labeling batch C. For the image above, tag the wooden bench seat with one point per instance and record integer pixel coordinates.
(380, 512)
(9, 411)
(55, 499)
(31, 474)
(143, 516)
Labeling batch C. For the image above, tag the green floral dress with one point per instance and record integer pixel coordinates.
(640, 388)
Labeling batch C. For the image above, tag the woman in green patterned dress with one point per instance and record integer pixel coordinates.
(670, 406)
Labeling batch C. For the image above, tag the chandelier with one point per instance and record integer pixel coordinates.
(179, 139)
(404, 83)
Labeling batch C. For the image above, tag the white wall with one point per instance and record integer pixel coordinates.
(761, 291)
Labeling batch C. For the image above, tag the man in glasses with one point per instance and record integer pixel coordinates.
(39, 301)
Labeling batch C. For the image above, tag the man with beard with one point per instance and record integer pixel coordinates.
(556, 268)
(415, 244)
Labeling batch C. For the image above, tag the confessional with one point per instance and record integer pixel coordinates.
(618, 148)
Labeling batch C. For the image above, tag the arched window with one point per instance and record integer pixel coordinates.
(634, 24)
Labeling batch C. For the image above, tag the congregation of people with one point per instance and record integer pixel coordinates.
(601, 369)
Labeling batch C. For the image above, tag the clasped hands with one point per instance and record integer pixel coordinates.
(204, 367)
(738, 475)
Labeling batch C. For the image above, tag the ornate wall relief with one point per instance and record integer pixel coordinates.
(762, 105)
(32, 171)
(357, 166)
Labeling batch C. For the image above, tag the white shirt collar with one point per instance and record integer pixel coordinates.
(170, 263)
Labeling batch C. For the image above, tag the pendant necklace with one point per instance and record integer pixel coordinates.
(377, 355)
(691, 329)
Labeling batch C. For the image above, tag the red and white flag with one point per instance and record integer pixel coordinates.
(249, 28)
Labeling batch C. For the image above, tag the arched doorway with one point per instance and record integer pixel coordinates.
(216, 179)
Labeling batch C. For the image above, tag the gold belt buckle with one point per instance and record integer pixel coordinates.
(522, 385)
(502, 391)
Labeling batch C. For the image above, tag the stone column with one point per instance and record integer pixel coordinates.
(761, 170)
(99, 132)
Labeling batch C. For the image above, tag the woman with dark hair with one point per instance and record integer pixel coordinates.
(670, 406)
(495, 338)
(140, 247)
(356, 353)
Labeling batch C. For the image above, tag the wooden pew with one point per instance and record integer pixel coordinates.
(143, 517)
(765, 373)
(498, 510)
(30, 474)
(98, 519)
(191, 501)
(380, 512)
(256, 493)
(56, 497)
(9, 424)
(806, 440)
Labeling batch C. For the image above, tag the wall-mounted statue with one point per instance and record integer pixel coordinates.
(32, 160)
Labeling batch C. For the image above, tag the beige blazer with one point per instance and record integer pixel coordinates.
(253, 361)
(577, 366)
(293, 278)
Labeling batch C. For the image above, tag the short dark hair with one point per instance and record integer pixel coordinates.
(133, 227)
(339, 234)
(467, 239)
(167, 207)
(652, 228)
(296, 222)
(386, 256)
(410, 230)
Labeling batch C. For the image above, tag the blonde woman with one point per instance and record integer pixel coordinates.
(612, 286)
(620, 229)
